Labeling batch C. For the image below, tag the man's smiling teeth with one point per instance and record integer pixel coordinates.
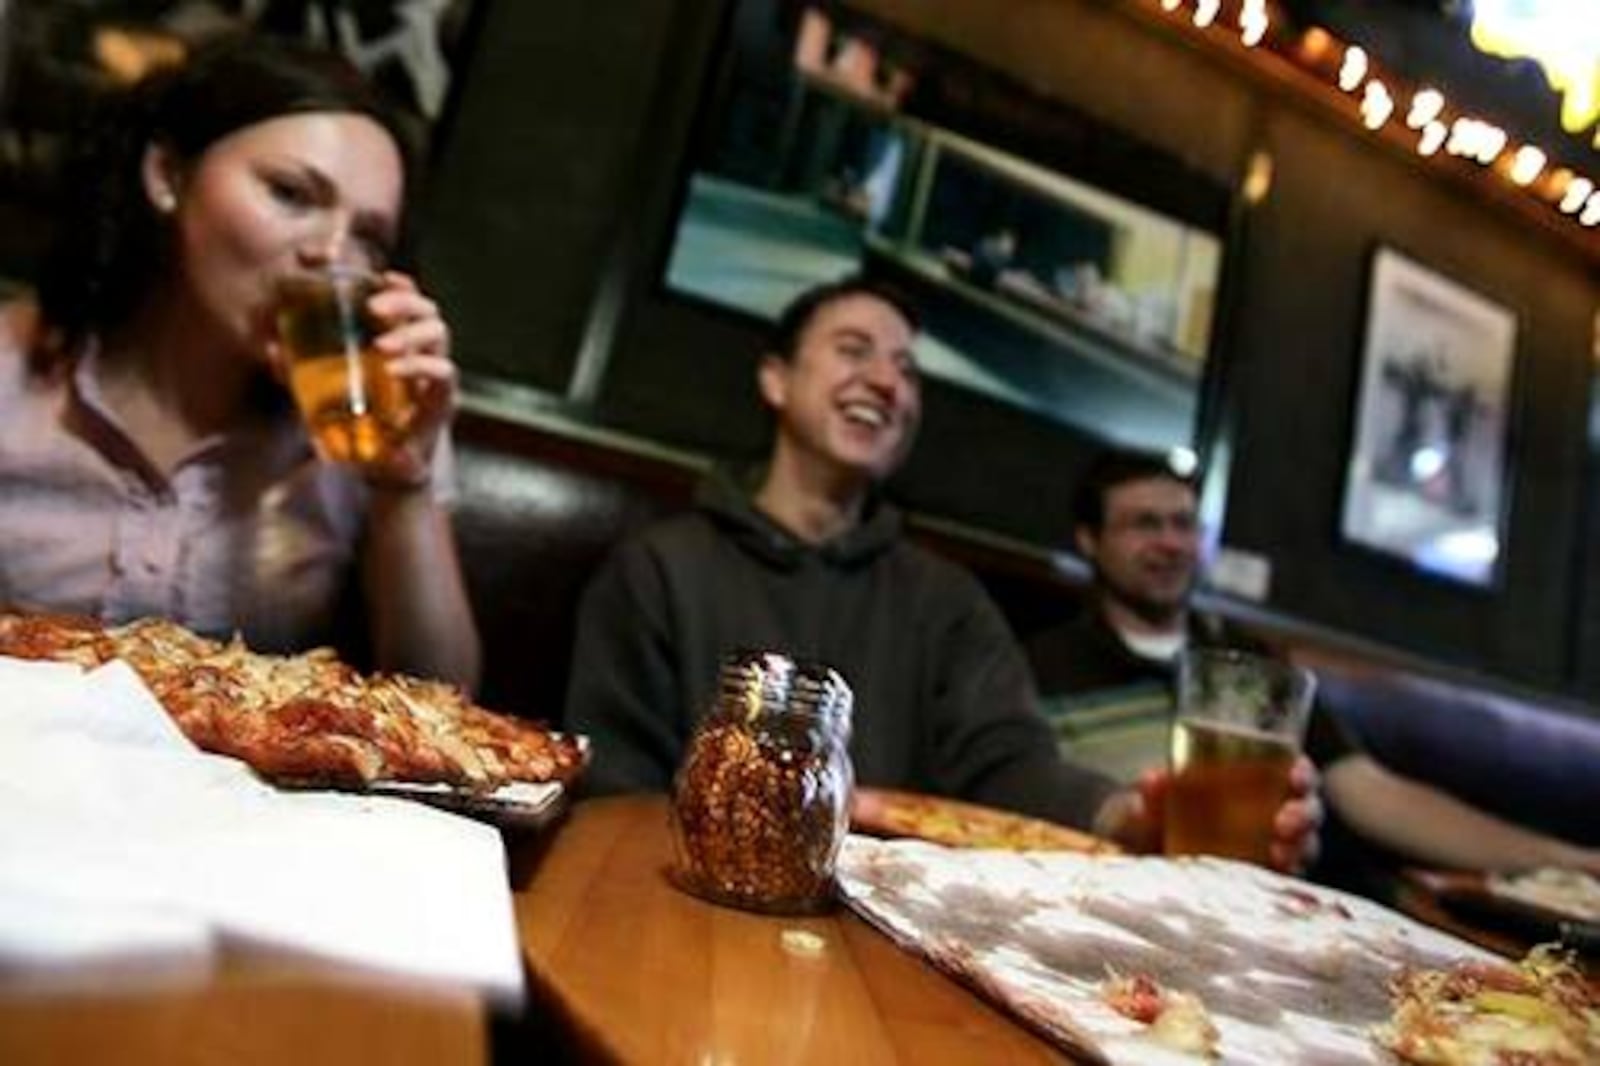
(866, 415)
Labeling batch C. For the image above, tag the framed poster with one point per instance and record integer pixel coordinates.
(1427, 479)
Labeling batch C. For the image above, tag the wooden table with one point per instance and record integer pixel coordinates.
(253, 1010)
(622, 967)
(641, 972)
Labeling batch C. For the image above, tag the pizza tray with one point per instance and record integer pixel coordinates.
(521, 805)
(1492, 901)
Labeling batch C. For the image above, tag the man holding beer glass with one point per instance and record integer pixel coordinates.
(1136, 522)
(150, 460)
(808, 558)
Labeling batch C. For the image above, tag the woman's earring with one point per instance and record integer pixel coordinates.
(166, 201)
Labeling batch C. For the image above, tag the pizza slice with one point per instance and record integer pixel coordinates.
(308, 718)
(1569, 893)
(1539, 1012)
(954, 823)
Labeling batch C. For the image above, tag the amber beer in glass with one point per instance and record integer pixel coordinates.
(355, 410)
(1239, 726)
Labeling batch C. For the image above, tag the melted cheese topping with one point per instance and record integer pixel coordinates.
(1185, 1025)
(1537, 1013)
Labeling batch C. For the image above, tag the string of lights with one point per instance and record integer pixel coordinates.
(1385, 102)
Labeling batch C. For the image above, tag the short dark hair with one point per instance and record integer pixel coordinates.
(110, 243)
(1116, 467)
(792, 323)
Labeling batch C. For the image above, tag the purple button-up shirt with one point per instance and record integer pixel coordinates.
(249, 532)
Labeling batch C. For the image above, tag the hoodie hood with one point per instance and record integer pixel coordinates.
(726, 495)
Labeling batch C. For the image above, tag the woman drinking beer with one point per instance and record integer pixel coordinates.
(151, 462)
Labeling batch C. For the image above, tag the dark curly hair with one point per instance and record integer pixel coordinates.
(111, 245)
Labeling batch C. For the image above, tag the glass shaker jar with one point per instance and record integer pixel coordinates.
(762, 799)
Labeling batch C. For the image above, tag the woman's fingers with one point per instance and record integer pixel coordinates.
(426, 336)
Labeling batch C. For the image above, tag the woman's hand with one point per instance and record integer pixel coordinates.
(416, 341)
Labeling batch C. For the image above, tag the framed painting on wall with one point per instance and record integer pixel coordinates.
(1427, 479)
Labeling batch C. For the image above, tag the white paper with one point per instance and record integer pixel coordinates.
(109, 703)
(115, 840)
(44, 929)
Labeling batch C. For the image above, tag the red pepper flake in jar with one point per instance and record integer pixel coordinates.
(762, 798)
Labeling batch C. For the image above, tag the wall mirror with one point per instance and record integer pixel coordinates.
(1062, 267)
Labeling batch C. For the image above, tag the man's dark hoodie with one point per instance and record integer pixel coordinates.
(943, 699)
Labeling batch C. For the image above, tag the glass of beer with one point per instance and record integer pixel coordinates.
(355, 410)
(1240, 723)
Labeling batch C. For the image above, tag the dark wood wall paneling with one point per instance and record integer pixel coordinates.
(563, 108)
(533, 175)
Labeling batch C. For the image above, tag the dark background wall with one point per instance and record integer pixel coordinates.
(534, 175)
(562, 168)
(1307, 260)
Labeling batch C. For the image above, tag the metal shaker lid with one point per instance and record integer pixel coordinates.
(774, 682)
